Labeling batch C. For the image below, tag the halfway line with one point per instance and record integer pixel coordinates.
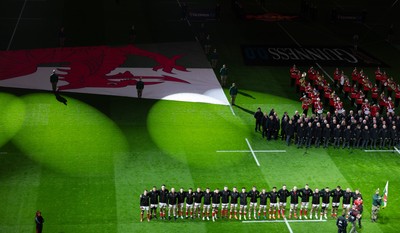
(288, 226)
(252, 152)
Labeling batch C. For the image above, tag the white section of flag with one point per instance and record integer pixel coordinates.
(204, 86)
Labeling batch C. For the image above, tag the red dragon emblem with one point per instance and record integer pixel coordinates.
(88, 66)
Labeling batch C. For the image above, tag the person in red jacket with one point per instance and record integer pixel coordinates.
(378, 77)
(389, 106)
(375, 94)
(375, 110)
(319, 108)
(354, 76)
(360, 100)
(346, 88)
(354, 94)
(366, 108)
(339, 106)
(293, 75)
(336, 77)
(382, 102)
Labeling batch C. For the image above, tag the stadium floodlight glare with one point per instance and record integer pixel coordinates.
(200, 129)
(11, 118)
(75, 139)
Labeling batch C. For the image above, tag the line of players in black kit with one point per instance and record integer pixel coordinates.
(236, 204)
(354, 130)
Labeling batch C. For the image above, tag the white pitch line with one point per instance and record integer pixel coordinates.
(290, 35)
(326, 73)
(288, 225)
(233, 112)
(274, 221)
(247, 151)
(397, 150)
(252, 152)
(379, 150)
(16, 25)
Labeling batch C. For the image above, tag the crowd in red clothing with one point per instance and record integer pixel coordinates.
(314, 88)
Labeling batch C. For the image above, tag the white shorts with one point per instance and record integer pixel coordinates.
(346, 206)
(335, 204)
(293, 206)
(180, 205)
(273, 204)
(304, 204)
(325, 205)
(206, 207)
(153, 205)
(243, 206)
(224, 205)
(234, 206)
(171, 206)
(144, 208)
(315, 205)
(253, 204)
(163, 205)
(263, 206)
(282, 203)
(215, 205)
(189, 205)
(197, 205)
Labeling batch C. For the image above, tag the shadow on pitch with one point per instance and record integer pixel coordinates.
(245, 110)
(61, 99)
(247, 95)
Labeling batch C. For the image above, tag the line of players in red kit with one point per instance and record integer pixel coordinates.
(235, 204)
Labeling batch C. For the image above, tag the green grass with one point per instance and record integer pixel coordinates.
(84, 165)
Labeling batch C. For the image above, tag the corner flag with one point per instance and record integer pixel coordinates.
(385, 194)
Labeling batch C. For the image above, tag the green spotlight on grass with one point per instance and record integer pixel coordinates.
(74, 139)
(193, 132)
(11, 118)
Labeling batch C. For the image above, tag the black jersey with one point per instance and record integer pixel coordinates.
(181, 197)
(216, 198)
(316, 197)
(207, 198)
(225, 196)
(253, 195)
(163, 196)
(153, 196)
(189, 198)
(263, 198)
(172, 198)
(243, 198)
(336, 195)
(294, 197)
(283, 195)
(198, 196)
(144, 200)
(326, 196)
(347, 197)
(306, 194)
(273, 197)
(234, 197)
